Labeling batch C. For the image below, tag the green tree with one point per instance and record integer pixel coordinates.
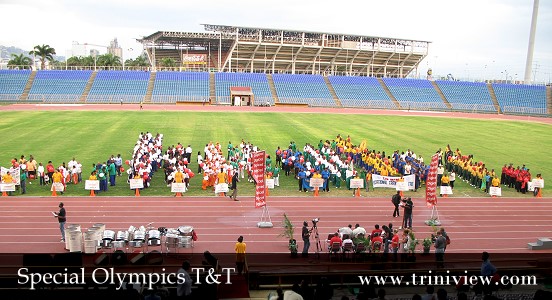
(167, 62)
(108, 60)
(75, 61)
(45, 52)
(20, 60)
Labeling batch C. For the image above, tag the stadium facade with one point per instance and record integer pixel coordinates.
(223, 48)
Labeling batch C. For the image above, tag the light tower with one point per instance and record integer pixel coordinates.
(530, 50)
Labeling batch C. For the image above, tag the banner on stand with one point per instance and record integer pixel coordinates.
(258, 169)
(431, 182)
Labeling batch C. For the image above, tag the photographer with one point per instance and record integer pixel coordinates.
(305, 233)
(396, 200)
(408, 207)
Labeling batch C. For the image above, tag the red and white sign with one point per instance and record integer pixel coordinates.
(431, 182)
(258, 168)
(194, 59)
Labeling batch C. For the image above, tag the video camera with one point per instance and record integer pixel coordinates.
(314, 221)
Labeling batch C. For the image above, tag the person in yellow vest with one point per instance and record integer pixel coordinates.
(7, 178)
(445, 180)
(495, 182)
(222, 178)
(178, 176)
(93, 176)
(57, 178)
(384, 171)
(240, 248)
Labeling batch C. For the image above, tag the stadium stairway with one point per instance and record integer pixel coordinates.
(332, 92)
(438, 89)
(493, 97)
(151, 84)
(272, 88)
(28, 86)
(386, 89)
(212, 87)
(549, 99)
(88, 86)
(542, 243)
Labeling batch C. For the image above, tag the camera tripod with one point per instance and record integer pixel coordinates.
(314, 230)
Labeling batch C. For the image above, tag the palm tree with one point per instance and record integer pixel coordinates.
(45, 52)
(20, 60)
(108, 60)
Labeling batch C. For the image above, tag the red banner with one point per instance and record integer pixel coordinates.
(258, 168)
(431, 182)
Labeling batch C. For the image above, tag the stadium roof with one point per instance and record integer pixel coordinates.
(248, 49)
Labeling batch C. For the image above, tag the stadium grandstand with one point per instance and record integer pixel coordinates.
(261, 66)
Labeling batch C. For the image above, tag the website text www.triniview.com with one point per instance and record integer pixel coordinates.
(431, 279)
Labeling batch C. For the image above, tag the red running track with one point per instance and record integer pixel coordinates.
(474, 224)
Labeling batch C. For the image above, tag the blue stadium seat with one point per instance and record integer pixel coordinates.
(360, 92)
(58, 85)
(467, 96)
(114, 86)
(303, 89)
(172, 87)
(521, 98)
(12, 84)
(415, 93)
(257, 81)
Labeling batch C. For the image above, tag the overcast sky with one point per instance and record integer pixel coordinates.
(470, 38)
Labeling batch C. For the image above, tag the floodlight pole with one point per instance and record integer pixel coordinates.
(531, 48)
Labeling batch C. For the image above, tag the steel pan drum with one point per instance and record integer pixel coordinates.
(139, 236)
(154, 234)
(118, 244)
(109, 235)
(122, 236)
(185, 242)
(185, 230)
(171, 240)
(131, 229)
(172, 231)
(135, 244)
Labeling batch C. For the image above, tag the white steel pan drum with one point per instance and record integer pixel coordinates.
(171, 240)
(135, 244)
(185, 242)
(108, 237)
(185, 230)
(131, 229)
(118, 244)
(154, 238)
(139, 236)
(122, 236)
(173, 231)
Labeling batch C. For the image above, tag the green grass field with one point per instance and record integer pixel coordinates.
(92, 136)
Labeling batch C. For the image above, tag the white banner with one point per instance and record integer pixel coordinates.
(401, 186)
(270, 183)
(58, 186)
(357, 183)
(92, 185)
(136, 184)
(445, 190)
(316, 182)
(538, 183)
(179, 187)
(495, 191)
(530, 186)
(7, 187)
(391, 182)
(221, 188)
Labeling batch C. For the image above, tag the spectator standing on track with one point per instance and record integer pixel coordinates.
(408, 207)
(396, 200)
(62, 218)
